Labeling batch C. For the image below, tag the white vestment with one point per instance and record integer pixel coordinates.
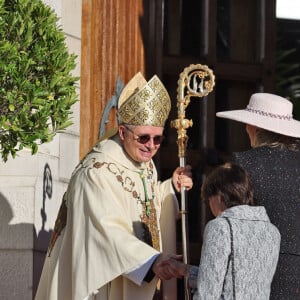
(104, 237)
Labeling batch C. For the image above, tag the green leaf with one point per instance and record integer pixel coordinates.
(34, 149)
(11, 107)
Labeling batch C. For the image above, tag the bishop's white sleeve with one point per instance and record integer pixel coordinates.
(138, 274)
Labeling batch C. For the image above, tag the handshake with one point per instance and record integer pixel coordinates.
(167, 267)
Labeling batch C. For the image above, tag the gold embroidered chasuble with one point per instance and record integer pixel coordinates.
(118, 216)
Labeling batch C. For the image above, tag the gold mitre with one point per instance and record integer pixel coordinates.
(144, 103)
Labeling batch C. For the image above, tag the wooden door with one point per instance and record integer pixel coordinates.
(112, 46)
(236, 39)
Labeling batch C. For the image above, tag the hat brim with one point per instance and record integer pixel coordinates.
(282, 126)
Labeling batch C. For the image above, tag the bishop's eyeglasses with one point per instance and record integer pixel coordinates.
(145, 138)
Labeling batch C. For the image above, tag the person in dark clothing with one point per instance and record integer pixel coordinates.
(274, 166)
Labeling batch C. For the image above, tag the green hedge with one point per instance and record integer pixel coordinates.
(37, 88)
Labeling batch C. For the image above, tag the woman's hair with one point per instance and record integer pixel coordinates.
(264, 137)
(231, 182)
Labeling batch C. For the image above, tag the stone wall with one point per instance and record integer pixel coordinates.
(31, 187)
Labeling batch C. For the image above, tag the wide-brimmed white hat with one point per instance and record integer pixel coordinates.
(267, 111)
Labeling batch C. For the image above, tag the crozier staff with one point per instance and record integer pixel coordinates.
(197, 81)
(117, 219)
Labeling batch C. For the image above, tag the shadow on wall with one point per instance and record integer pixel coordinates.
(15, 253)
(41, 240)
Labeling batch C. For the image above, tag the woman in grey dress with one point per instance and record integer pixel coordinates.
(241, 247)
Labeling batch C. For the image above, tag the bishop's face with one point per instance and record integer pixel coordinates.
(141, 142)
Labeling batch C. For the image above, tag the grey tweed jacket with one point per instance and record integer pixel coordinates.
(256, 244)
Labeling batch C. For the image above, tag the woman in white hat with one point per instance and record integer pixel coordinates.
(274, 165)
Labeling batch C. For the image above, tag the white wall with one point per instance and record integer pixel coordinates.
(31, 187)
(288, 9)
